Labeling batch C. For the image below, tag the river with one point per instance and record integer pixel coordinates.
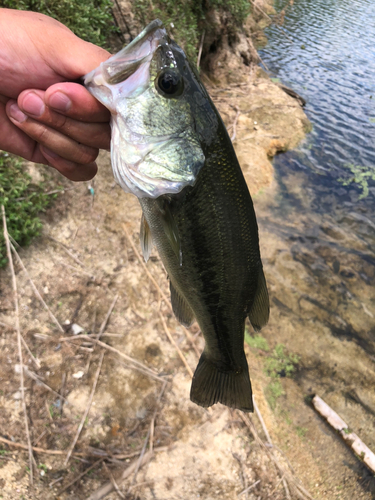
(318, 230)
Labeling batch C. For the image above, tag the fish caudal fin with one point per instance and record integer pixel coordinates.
(211, 385)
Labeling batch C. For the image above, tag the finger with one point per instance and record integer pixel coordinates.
(75, 101)
(95, 135)
(13, 140)
(52, 139)
(71, 170)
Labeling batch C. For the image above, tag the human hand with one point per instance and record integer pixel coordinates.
(68, 126)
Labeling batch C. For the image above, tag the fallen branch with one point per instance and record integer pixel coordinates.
(356, 444)
(81, 475)
(18, 331)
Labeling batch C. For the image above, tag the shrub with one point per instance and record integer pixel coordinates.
(91, 20)
(22, 200)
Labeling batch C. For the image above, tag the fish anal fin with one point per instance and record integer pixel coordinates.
(145, 238)
(181, 308)
(212, 385)
(260, 310)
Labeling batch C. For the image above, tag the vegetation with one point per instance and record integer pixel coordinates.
(257, 342)
(187, 20)
(22, 200)
(361, 176)
(91, 20)
(281, 363)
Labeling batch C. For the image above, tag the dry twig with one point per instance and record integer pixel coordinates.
(19, 336)
(172, 341)
(137, 364)
(113, 481)
(51, 315)
(80, 476)
(105, 490)
(87, 409)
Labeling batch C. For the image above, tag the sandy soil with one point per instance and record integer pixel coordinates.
(87, 261)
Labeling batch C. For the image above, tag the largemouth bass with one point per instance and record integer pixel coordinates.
(171, 149)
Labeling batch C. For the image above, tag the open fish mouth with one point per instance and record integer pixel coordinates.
(131, 63)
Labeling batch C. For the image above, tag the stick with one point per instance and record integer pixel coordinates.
(113, 481)
(52, 316)
(249, 488)
(18, 331)
(137, 364)
(171, 339)
(87, 409)
(66, 249)
(167, 302)
(103, 491)
(259, 415)
(35, 377)
(105, 321)
(200, 49)
(356, 444)
(102, 328)
(37, 364)
(80, 476)
(77, 453)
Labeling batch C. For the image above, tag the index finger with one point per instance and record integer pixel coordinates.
(75, 101)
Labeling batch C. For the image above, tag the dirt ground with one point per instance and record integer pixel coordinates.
(88, 271)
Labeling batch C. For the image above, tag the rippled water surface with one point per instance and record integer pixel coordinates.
(318, 234)
(325, 50)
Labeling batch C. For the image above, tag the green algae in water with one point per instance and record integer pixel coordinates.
(361, 176)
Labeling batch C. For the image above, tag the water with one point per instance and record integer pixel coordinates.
(326, 52)
(318, 234)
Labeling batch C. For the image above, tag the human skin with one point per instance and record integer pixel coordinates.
(45, 116)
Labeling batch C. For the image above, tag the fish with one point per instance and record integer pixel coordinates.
(171, 149)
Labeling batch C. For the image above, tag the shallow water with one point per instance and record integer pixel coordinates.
(317, 234)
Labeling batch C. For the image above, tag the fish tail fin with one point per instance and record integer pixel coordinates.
(211, 385)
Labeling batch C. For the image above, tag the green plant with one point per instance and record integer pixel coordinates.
(273, 391)
(281, 363)
(91, 20)
(257, 342)
(23, 201)
(361, 176)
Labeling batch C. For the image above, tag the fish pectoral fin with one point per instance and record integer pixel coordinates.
(146, 238)
(260, 310)
(212, 385)
(170, 229)
(181, 308)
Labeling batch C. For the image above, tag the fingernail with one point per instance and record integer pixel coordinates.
(50, 153)
(59, 101)
(16, 113)
(33, 104)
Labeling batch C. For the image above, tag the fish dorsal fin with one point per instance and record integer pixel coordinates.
(146, 238)
(260, 310)
(181, 308)
(171, 230)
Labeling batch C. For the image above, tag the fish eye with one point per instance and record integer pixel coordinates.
(169, 83)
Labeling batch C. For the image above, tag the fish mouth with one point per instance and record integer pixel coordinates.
(125, 63)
